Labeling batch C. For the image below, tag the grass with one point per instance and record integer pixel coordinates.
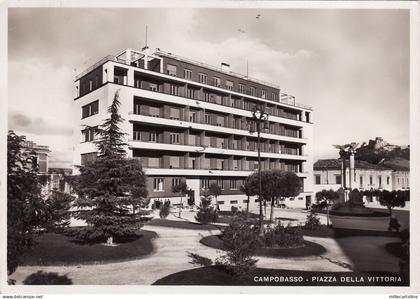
(322, 231)
(57, 250)
(183, 224)
(309, 249)
(219, 275)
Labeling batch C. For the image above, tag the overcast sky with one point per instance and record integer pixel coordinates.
(351, 66)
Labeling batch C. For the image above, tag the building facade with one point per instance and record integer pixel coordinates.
(188, 121)
(41, 152)
(385, 176)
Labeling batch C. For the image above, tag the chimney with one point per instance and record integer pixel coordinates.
(225, 67)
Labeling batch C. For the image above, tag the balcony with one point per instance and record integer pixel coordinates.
(228, 123)
(204, 149)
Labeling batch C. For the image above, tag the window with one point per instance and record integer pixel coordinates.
(158, 184)
(241, 88)
(229, 85)
(136, 135)
(219, 183)
(380, 181)
(174, 138)
(318, 179)
(300, 198)
(252, 91)
(90, 85)
(291, 199)
(153, 136)
(361, 181)
(171, 70)
(202, 78)
(205, 184)
(245, 201)
(338, 179)
(263, 94)
(176, 182)
(273, 96)
(90, 109)
(220, 202)
(371, 180)
(207, 118)
(190, 93)
(233, 202)
(187, 74)
(174, 89)
(89, 134)
(387, 180)
(216, 81)
(153, 87)
(193, 117)
(233, 184)
(206, 96)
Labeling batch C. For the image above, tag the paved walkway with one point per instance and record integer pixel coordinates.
(172, 245)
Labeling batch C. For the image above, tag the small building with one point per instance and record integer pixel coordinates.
(367, 176)
(400, 174)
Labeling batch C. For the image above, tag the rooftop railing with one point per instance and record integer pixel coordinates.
(283, 98)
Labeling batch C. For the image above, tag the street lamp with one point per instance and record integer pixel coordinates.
(259, 116)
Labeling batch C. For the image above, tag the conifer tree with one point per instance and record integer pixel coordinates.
(112, 188)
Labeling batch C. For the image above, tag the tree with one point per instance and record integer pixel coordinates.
(58, 205)
(326, 198)
(391, 199)
(111, 188)
(206, 212)
(26, 210)
(182, 190)
(215, 190)
(275, 184)
(165, 209)
(246, 189)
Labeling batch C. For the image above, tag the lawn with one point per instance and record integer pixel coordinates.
(183, 224)
(219, 275)
(309, 249)
(56, 250)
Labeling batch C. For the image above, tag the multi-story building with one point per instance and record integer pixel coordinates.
(188, 121)
(390, 175)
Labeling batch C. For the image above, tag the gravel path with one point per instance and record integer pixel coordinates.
(171, 249)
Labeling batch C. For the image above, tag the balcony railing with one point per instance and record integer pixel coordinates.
(242, 127)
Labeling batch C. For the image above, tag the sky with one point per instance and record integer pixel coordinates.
(351, 66)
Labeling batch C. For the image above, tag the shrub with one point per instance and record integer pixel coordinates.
(240, 240)
(282, 236)
(165, 209)
(312, 221)
(47, 278)
(206, 213)
(200, 260)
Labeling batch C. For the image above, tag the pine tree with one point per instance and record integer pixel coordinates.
(111, 189)
(206, 213)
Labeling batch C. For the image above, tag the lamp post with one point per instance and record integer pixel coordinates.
(259, 116)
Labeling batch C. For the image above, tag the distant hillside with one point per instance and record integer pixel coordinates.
(378, 150)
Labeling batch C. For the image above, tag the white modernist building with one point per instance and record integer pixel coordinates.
(188, 121)
(389, 175)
